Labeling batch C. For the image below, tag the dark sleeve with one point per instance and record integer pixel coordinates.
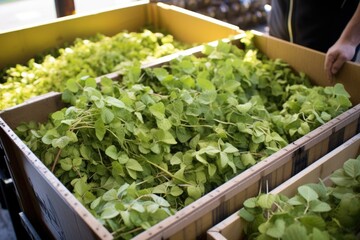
(316, 24)
(278, 19)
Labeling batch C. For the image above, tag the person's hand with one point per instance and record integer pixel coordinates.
(336, 56)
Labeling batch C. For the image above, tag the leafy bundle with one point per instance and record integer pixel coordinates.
(136, 151)
(94, 56)
(315, 212)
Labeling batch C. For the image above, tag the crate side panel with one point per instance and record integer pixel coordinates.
(203, 29)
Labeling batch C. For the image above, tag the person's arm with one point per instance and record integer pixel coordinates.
(344, 48)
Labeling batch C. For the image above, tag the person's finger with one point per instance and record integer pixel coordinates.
(337, 64)
(329, 61)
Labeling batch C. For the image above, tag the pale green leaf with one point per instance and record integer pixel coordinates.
(352, 168)
(134, 165)
(100, 129)
(266, 201)
(107, 115)
(277, 229)
(110, 195)
(111, 152)
(308, 193)
(158, 110)
(295, 232)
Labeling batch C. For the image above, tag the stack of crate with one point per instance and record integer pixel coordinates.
(55, 213)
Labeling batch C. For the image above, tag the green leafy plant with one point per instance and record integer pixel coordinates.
(175, 132)
(315, 212)
(94, 56)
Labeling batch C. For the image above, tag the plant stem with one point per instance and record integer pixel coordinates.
(56, 160)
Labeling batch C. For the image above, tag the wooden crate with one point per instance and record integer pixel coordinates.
(232, 227)
(20, 45)
(55, 212)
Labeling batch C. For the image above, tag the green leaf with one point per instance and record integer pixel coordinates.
(163, 124)
(250, 202)
(176, 158)
(72, 85)
(100, 129)
(106, 85)
(72, 136)
(317, 234)
(160, 189)
(176, 191)
(277, 229)
(107, 115)
(224, 160)
(123, 158)
(109, 212)
(125, 215)
(90, 82)
(160, 200)
(312, 221)
(111, 152)
(58, 115)
(132, 173)
(139, 116)
(164, 136)
(247, 159)
(115, 102)
(232, 86)
(201, 159)
(155, 148)
(244, 108)
(304, 128)
(230, 148)
(152, 207)
(138, 207)
(182, 134)
(340, 178)
(160, 73)
(296, 200)
(295, 232)
(325, 116)
(110, 195)
(204, 83)
(340, 90)
(207, 97)
(308, 193)
(194, 192)
(158, 110)
(319, 206)
(352, 168)
(95, 203)
(187, 66)
(77, 162)
(134, 165)
(212, 169)
(246, 215)
(266, 201)
(66, 164)
(60, 142)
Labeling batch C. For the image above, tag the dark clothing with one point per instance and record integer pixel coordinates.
(316, 24)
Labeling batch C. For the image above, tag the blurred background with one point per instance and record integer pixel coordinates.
(247, 14)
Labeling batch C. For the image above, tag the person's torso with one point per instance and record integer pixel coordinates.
(312, 23)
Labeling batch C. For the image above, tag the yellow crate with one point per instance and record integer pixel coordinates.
(232, 227)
